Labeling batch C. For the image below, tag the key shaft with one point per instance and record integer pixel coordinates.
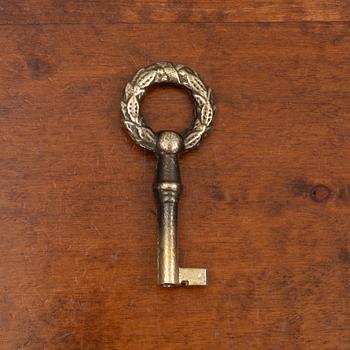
(167, 189)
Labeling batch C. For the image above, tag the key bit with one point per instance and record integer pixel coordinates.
(168, 146)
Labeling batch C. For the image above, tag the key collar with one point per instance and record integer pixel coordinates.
(169, 142)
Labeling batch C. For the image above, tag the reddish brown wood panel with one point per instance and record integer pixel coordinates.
(77, 215)
(140, 11)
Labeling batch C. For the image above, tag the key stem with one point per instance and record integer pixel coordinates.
(168, 188)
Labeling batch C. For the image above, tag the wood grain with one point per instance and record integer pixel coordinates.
(165, 11)
(77, 214)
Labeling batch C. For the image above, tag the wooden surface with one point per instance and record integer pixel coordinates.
(266, 201)
(177, 11)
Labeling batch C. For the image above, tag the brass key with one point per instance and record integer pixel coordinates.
(167, 146)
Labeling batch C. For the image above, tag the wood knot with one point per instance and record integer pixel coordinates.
(320, 193)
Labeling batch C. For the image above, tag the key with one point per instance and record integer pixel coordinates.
(168, 146)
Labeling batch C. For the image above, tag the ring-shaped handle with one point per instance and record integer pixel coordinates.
(172, 73)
